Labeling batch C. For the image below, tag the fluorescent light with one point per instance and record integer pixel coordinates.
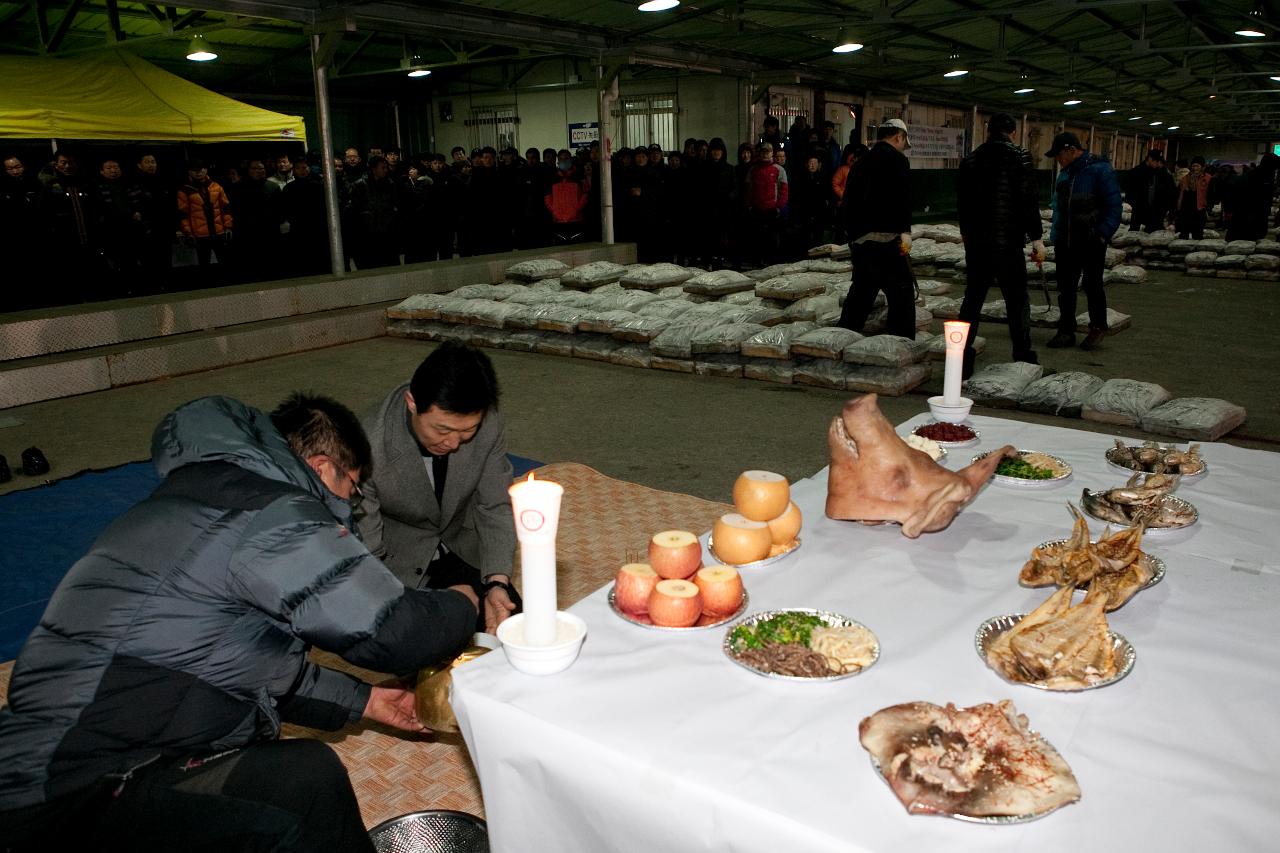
(1210, 136)
(1154, 123)
(1108, 111)
(1275, 77)
(420, 72)
(1134, 118)
(199, 50)
(1025, 90)
(959, 72)
(1173, 127)
(1071, 102)
(658, 5)
(1250, 34)
(845, 42)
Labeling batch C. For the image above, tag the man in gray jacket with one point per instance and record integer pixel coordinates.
(436, 509)
(144, 708)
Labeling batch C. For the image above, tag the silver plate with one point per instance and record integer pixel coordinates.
(1125, 653)
(758, 564)
(835, 620)
(1156, 564)
(996, 820)
(1019, 482)
(1155, 531)
(643, 622)
(1186, 478)
(977, 436)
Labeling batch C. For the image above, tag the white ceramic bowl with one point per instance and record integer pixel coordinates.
(542, 660)
(950, 414)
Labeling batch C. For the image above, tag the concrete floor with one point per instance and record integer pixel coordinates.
(693, 434)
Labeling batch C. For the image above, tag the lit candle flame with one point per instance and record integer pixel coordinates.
(530, 479)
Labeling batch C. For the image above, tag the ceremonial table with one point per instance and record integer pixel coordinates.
(655, 741)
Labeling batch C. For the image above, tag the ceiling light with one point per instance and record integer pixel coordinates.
(1250, 33)
(1210, 136)
(658, 5)
(845, 42)
(200, 50)
(957, 72)
(1108, 111)
(957, 67)
(1134, 118)
(1025, 90)
(420, 72)
(1072, 102)
(1275, 77)
(1154, 123)
(1173, 127)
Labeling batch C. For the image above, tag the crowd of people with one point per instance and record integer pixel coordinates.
(1182, 194)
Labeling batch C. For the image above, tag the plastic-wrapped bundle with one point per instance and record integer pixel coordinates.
(1201, 259)
(592, 275)
(793, 286)
(763, 316)
(827, 343)
(482, 336)
(823, 373)
(655, 277)
(676, 341)
(775, 270)
(596, 349)
(878, 317)
(631, 355)
(886, 381)
(724, 366)
(522, 341)
(1229, 262)
(505, 290)
(667, 308)
(1125, 275)
(1158, 239)
(1213, 244)
(811, 306)
(769, 371)
(1001, 385)
(422, 330)
(1241, 247)
(885, 351)
(1062, 394)
(555, 343)
(560, 318)
(521, 317)
(775, 342)
(723, 339)
(473, 291)
(1195, 418)
(537, 269)
(1123, 401)
(747, 297)
(546, 284)
(1182, 247)
(933, 287)
(641, 329)
(942, 306)
(994, 310)
(718, 283)
(1113, 257)
(603, 322)
(830, 265)
(1049, 268)
(1262, 262)
(421, 306)
(675, 365)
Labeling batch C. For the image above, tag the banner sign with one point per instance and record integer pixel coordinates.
(583, 133)
(944, 142)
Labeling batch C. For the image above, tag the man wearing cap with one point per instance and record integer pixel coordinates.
(999, 212)
(876, 210)
(1086, 212)
(1150, 191)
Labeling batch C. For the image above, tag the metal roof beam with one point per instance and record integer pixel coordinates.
(64, 24)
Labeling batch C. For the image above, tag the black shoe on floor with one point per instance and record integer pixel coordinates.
(1093, 340)
(1061, 341)
(33, 462)
(5, 474)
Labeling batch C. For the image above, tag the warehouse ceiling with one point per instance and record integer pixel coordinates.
(1184, 65)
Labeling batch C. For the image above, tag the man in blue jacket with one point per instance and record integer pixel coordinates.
(1086, 212)
(145, 707)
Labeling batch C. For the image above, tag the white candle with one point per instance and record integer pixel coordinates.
(536, 507)
(956, 333)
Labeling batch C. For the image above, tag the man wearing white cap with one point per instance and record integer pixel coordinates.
(877, 212)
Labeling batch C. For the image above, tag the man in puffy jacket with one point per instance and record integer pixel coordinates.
(1086, 212)
(566, 199)
(999, 212)
(876, 210)
(146, 705)
(204, 214)
(767, 192)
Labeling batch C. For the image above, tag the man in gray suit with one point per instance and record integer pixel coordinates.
(436, 509)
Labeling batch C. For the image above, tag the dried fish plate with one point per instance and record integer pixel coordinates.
(1156, 564)
(1126, 654)
(1112, 453)
(644, 622)
(834, 620)
(1155, 531)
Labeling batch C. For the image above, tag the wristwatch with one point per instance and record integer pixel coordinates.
(511, 592)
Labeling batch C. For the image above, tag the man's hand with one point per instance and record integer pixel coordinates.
(1037, 251)
(393, 706)
(497, 605)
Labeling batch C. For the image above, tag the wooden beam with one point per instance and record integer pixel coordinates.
(64, 25)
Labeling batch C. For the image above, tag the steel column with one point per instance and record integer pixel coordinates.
(321, 56)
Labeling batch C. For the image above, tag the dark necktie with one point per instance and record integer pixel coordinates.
(439, 470)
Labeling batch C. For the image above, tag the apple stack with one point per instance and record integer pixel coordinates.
(673, 589)
(766, 523)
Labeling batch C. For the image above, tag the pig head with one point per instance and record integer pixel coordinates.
(875, 476)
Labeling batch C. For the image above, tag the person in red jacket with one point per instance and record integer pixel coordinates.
(766, 196)
(566, 199)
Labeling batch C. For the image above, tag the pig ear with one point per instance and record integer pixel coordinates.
(977, 473)
(939, 509)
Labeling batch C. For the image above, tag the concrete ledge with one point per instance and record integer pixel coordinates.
(41, 333)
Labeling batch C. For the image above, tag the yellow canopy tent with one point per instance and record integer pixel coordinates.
(116, 95)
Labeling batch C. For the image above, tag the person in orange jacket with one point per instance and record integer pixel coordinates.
(566, 198)
(204, 214)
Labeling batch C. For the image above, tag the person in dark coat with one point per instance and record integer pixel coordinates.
(375, 215)
(715, 197)
(999, 211)
(1255, 191)
(23, 236)
(1150, 191)
(1086, 212)
(152, 197)
(146, 707)
(877, 214)
(114, 225)
(485, 221)
(68, 220)
(811, 205)
(303, 207)
(256, 202)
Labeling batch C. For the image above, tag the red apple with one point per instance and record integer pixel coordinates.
(675, 604)
(721, 588)
(632, 586)
(675, 554)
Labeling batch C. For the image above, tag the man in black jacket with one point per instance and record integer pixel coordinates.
(999, 212)
(375, 216)
(877, 212)
(145, 707)
(1150, 191)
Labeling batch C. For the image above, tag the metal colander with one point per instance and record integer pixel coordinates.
(435, 831)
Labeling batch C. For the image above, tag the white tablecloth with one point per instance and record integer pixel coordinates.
(654, 741)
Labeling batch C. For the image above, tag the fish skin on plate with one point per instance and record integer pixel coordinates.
(976, 762)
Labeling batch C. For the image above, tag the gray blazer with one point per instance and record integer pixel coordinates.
(399, 519)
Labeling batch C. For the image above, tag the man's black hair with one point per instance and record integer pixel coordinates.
(317, 425)
(490, 150)
(375, 160)
(1001, 123)
(457, 378)
(770, 121)
(394, 149)
(456, 149)
(1197, 159)
(195, 164)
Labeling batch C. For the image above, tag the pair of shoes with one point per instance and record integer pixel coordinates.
(1062, 340)
(5, 474)
(33, 462)
(1093, 340)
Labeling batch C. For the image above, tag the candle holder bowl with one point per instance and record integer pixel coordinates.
(957, 414)
(542, 660)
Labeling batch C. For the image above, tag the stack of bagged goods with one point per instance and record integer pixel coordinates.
(674, 589)
(766, 524)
